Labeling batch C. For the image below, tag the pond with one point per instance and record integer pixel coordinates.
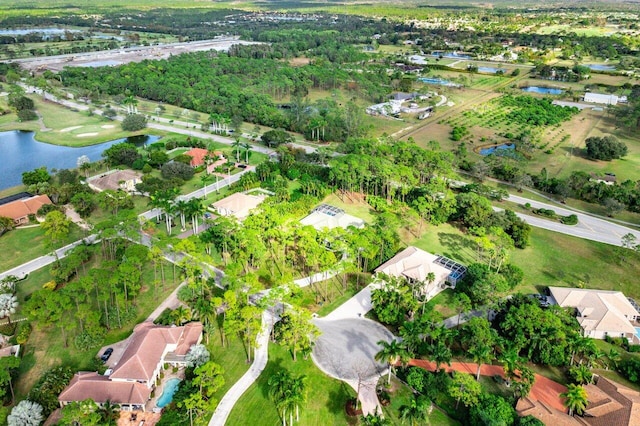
(497, 148)
(21, 152)
(170, 388)
(542, 90)
(439, 81)
(600, 67)
(491, 70)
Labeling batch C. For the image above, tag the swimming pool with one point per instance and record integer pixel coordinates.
(492, 70)
(440, 81)
(493, 149)
(170, 388)
(638, 332)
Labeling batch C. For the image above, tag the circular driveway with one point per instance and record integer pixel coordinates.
(346, 349)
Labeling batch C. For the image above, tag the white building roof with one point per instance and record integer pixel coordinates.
(325, 216)
(415, 264)
(600, 98)
(599, 310)
(238, 204)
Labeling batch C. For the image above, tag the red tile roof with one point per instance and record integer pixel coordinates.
(22, 208)
(101, 389)
(198, 154)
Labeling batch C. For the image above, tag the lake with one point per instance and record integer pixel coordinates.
(20, 152)
(450, 55)
(439, 81)
(491, 70)
(542, 90)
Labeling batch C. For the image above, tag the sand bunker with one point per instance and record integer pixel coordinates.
(108, 126)
(84, 135)
(68, 129)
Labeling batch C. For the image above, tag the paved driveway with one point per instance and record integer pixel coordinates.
(346, 350)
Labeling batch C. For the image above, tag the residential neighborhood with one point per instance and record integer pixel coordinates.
(381, 213)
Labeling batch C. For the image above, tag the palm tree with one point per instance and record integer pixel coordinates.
(197, 209)
(440, 353)
(247, 150)
(181, 207)
(131, 103)
(481, 354)
(236, 145)
(575, 399)
(581, 374)
(411, 333)
(279, 392)
(417, 411)
(109, 413)
(298, 388)
(375, 420)
(205, 178)
(391, 353)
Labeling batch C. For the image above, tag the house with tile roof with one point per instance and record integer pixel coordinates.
(134, 375)
(238, 205)
(611, 404)
(117, 179)
(600, 313)
(326, 216)
(198, 156)
(415, 265)
(20, 209)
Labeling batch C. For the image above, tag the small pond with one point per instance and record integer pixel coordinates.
(21, 152)
(600, 67)
(497, 148)
(542, 90)
(170, 388)
(491, 70)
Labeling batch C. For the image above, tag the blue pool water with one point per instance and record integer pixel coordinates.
(170, 388)
(439, 81)
(490, 150)
(598, 67)
(491, 70)
(638, 332)
(542, 90)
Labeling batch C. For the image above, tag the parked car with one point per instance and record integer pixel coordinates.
(107, 353)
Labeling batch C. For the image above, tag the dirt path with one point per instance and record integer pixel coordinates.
(71, 213)
(543, 390)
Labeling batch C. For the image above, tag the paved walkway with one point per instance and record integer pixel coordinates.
(356, 307)
(261, 356)
(544, 389)
(170, 302)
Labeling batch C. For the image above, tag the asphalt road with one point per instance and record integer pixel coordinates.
(588, 227)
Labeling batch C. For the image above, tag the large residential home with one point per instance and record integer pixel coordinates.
(20, 209)
(125, 180)
(600, 313)
(416, 265)
(198, 156)
(134, 373)
(238, 205)
(326, 216)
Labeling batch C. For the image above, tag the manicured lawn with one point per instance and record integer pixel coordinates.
(24, 244)
(232, 359)
(551, 259)
(354, 207)
(326, 397)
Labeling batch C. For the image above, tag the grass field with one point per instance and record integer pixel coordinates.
(23, 244)
(326, 397)
(551, 259)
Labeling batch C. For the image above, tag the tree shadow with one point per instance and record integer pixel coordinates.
(455, 244)
(337, 398)
(576, 152)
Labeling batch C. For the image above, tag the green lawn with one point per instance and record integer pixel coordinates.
(551, 259)
(353, 207)
(232, 359)
(25, 244)
(326, 397)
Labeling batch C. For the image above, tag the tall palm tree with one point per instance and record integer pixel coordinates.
(298, 388)
(279, 392)
(236, 145)
(575, 399)
(391, 353)
(196, 209)
(182, 207)
(417, 411)
(109, 413)
(481, 354)
(440, 353)
(247, 150)
(581, 374)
